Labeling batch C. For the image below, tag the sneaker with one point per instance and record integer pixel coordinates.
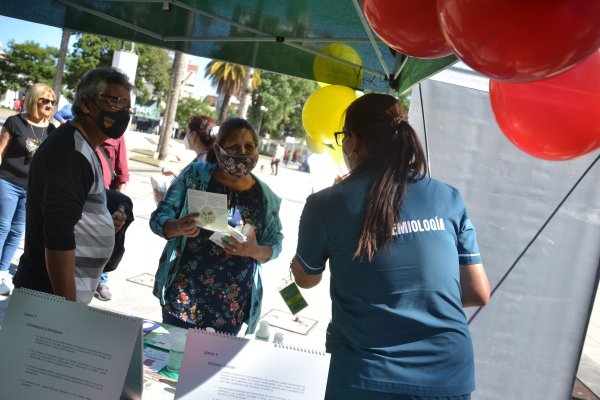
(102, 293)
(6, 285)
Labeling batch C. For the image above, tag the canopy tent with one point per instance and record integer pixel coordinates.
(529, 335)
(288, 37)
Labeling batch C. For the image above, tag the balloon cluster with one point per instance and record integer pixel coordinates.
(322, 115)
(533, 52)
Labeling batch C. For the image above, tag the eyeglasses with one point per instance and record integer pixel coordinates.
(337, 135)
(44, 101)
(119, 103)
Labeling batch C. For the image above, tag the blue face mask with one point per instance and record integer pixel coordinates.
(236, 165)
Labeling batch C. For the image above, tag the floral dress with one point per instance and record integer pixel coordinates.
(212, 289)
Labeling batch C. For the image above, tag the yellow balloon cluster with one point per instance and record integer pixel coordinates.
(323, 115)
(328, 71)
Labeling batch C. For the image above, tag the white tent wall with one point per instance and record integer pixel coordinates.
(529, 339)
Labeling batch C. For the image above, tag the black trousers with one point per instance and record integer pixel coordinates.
(113, 200)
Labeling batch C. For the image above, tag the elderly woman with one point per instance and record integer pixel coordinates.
(199, 283)
(20, 137)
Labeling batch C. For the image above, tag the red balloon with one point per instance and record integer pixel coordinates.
(556, 118)
(408, 26)
(521, 40)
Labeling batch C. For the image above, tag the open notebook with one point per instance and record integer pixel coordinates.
(222, 367)
(57, 349)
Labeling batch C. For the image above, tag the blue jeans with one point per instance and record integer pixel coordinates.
(12, 220)
(103, 279)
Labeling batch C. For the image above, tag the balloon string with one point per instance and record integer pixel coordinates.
(425, 131)
(514, 264)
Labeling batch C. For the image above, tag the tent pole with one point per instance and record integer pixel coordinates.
(370, 35)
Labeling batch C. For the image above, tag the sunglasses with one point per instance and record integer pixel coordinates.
(46, 101)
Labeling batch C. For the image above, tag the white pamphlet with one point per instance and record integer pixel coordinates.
(217, 237)
(212, 208)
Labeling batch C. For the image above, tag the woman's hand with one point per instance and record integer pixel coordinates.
(184, 226)
(166, 171)
(250, 248)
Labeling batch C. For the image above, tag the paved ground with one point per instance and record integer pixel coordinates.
(143, 249)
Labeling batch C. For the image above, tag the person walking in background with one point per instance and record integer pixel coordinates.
(21, 105)
(20, 137)
(404, 262)
(286, 157)
(199, 283)
(279, 152)
(198, 137)
(66, 200)
(65, 114)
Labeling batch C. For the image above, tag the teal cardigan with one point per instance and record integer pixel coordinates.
(174, 205)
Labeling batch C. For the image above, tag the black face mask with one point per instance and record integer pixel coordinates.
(112, 123)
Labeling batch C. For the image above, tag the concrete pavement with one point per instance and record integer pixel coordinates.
(131, 282)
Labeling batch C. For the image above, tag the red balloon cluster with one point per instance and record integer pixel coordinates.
(508, 40)
(520, 41)
(556, 118)
(408, 26)
(545, 97)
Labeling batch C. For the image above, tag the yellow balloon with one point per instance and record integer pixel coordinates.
(327, 70)
(335, 152)
(313, 145)
(323, 111)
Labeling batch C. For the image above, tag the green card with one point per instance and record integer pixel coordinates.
(293, 298)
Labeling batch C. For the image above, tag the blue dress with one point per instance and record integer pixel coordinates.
(198, 175)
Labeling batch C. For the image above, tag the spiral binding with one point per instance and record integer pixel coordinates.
(220, 334)
(40, 295)
(302, 349)
(113, 313)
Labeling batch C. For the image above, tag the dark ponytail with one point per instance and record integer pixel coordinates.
(396, 153)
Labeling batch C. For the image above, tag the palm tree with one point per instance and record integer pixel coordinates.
(229, 80)
(251, 81)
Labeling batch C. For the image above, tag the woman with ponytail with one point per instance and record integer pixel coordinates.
(404, 261)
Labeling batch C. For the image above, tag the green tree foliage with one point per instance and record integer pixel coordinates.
(153, 73)
(284, 97)
(25, 64)
(91, 51)
(189, 106)
(228, 78)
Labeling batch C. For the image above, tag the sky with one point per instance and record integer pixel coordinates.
(21, 31)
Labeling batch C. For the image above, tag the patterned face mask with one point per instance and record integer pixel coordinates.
(236, 165)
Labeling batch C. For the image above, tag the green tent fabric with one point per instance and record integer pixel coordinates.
(323, 40)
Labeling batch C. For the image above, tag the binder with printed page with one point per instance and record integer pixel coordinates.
(57, 349)
(218, 366)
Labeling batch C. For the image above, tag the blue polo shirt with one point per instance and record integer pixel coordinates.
(398, 324)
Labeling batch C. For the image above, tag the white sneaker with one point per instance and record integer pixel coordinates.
(6, 285)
